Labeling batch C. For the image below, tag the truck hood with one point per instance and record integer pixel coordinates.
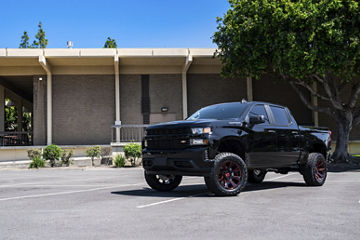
(193, 123)
(183, 123)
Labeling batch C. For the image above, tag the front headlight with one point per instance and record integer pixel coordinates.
(199, 131)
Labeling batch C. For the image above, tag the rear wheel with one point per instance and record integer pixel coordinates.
(256, 175)
(228, 176)
(163, 183)
(315, 172)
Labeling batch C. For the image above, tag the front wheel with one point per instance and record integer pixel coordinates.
(315, 172)
(228, 176)
(163, 183)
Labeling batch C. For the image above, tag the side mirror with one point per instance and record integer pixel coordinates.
(256, 120)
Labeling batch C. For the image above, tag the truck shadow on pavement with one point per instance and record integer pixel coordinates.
(200, 190)
(344, 167)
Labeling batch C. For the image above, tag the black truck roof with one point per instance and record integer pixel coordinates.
(252, 103)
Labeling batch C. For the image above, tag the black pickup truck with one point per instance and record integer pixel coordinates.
(230, 144)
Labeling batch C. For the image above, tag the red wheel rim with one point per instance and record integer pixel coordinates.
(320, 171)
(229, 175)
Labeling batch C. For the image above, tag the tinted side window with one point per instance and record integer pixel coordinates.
(280, 115)
(259, 110)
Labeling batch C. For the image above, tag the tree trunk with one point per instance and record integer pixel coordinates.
(346, 115)
(342, 139)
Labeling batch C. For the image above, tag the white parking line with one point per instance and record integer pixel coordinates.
(181, 198)
(167, 201)
(157, 203)
(287, 175)
(60, 181)
(12, 185)
(67, 192)
(53, 185)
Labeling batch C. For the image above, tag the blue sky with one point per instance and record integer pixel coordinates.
(142, 23)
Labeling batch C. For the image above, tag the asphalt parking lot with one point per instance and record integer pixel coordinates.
(108, 203)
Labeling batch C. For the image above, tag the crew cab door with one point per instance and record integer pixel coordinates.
(262, 140)
(287, 134)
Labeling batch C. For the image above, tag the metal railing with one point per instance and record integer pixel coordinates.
(129, 132)
(16, 138)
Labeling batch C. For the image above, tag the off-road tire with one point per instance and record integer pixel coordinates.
(156, 183)
(236, 175)
(256, 175)
(315, 170)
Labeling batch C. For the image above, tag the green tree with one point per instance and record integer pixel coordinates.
(26, 121)
(24, 42)
(41, 41)
(110, 43)
(303, 41)
(11, 116)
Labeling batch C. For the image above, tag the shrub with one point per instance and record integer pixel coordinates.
(132, 152)
(65, 157)
(119, 160)
(52, 153)
(34, 153)
(37, 162)
(93, 152)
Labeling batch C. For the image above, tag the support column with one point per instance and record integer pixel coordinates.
(314, 101)
(18, 105)
(249, 89)
(49, 109)
(188, 62)
(47, 69)
(117, 97)
(2, 108)
(39, 110)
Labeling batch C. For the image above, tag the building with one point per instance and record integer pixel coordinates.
(76, 95)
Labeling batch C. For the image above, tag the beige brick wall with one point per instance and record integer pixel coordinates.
(165, 91)
(130, 99)
(207, 89)
(83, 109)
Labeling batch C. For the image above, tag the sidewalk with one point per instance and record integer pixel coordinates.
(76, 162)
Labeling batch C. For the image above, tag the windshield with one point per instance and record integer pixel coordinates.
(220, 111)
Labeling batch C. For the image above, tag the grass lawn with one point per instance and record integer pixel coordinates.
(358, 155)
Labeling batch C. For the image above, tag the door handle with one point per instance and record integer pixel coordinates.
(271, 131)
(294, 132)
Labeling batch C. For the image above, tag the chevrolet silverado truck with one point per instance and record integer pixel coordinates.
(230, 144)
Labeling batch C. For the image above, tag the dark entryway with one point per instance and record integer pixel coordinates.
(16, 111)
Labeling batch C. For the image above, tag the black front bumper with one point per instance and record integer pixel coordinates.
(185, 162)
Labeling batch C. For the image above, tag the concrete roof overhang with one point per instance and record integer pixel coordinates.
(16, 62)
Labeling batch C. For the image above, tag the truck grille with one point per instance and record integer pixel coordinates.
(156, 143)
(168, 131)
